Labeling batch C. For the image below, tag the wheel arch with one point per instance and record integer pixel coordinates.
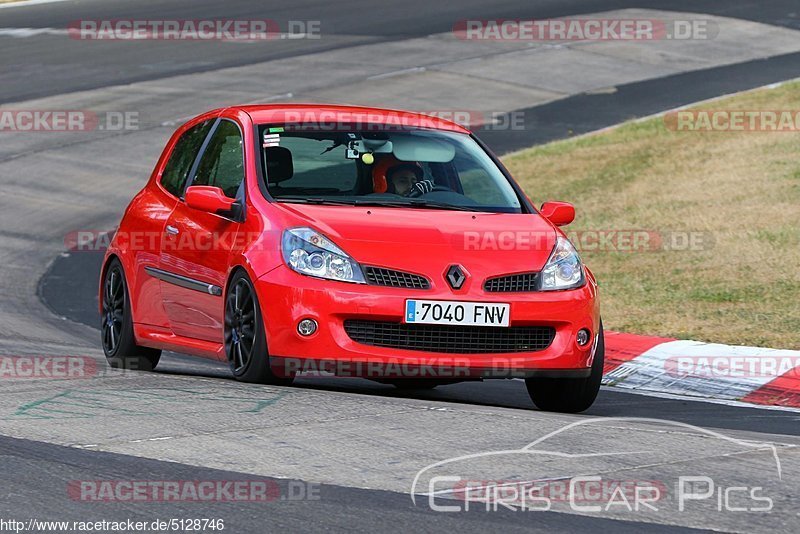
(101, 281)
(263, 301)
(236, 269)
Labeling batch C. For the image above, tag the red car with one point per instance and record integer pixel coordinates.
(350, 241)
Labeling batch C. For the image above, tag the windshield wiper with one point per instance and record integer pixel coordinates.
(414, 203)
(406, 203)
(316, 200)
(422, 203)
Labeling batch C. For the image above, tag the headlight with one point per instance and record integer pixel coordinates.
(309, 252)
(563, 270)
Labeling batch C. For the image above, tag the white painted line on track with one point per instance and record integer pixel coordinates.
(22, 33)
(694, 398)
(709, 372)
(394, 73)
(25, 3)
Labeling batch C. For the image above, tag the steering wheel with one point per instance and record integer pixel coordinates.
(441, 188)
(417, 193)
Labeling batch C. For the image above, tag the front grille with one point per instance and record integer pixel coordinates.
(378, 276)
(512, 283)
(450, 339)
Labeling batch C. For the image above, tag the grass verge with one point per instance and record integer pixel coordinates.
(736, 193)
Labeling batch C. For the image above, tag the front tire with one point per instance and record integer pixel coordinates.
(569, 395)
(245, 337)
(116, 329)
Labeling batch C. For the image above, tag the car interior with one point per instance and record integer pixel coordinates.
(322, 167)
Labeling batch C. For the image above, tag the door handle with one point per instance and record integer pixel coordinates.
(171, 230)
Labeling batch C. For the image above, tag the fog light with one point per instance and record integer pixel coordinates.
(583, 337)
(306, 327)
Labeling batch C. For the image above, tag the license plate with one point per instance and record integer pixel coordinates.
(457, 313)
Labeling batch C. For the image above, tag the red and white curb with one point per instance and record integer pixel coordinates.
(703, 370)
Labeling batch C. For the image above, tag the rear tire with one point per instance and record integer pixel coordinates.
(116, 328)
(245, 337)
(569, 395)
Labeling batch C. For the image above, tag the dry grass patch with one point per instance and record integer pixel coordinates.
(741, 189)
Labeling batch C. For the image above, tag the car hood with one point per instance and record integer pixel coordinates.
(428, 241)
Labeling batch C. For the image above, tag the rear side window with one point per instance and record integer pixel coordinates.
(222, 164)
(183, 155)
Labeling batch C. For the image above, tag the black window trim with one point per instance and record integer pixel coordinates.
(261, 176)
(523, 199)
(241, 193)
(160, 179)
(526, 207)
(193, 169)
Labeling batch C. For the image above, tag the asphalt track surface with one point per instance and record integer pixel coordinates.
(35, 471)
(46, 65)
(33, 465)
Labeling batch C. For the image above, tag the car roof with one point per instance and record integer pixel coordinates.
(325, 114)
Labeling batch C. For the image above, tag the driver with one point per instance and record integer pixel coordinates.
(406, 179)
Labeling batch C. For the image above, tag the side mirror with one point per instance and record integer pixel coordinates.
(212, 200)
(558, 213)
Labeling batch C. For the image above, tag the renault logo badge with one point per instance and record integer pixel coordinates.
(456, 277)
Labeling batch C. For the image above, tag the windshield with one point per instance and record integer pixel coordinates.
(409, 168)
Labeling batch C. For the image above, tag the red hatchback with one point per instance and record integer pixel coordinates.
(394, 246)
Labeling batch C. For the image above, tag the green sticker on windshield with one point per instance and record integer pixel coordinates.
(275, 130)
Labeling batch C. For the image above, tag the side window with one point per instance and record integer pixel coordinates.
(183, 154)
(222, 164)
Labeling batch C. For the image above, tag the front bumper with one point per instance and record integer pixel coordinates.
(287, 297)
